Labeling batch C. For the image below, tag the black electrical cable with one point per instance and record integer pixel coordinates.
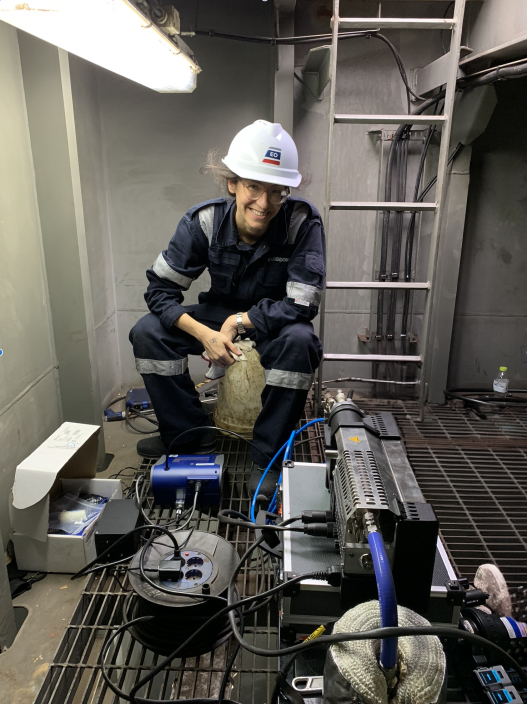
(197, 633)
(461, 394)
(134, 428)
(145, 416)
(281, 676)
(402, 169)
(398, 134)
(410, 233)
(410, 240)
(141, 499)
(138, 529)
(287, 41)
(301, 442)
(177, 550)
(315, 39)
(227, 673)
(373, 634)
(224, 518)
(500, 73)
(242, 602)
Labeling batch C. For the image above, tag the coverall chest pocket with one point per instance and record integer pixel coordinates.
(222, 267)
(274, 274)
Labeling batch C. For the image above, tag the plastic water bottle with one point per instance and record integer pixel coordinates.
(501, 383)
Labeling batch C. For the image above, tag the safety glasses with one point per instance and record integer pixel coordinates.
(276, 195)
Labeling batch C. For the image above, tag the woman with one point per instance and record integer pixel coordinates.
(265, 252)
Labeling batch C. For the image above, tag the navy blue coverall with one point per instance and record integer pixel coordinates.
(278, 282)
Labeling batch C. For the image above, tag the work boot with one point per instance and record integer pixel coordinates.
(151, 448)
(268, 487)
(154, 447)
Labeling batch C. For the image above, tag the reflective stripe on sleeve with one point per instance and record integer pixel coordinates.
(206, 220)
(164, 271)
(304, 294)
(170, 367)
(288, 380)
(298, 216)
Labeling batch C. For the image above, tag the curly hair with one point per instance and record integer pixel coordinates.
(220, 173)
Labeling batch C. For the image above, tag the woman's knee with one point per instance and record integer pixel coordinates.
(301, 338)
(147, 330)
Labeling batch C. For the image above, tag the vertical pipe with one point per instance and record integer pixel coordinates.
(455, 45)
(327, 196)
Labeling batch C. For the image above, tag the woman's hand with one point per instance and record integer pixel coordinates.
(217, 346)
(230, 328)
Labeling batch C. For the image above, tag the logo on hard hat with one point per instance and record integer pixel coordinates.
(272, 156)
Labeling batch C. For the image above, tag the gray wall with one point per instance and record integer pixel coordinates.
(155, 144)
(29, 400)
(491, 309)
(492, 23)
(92, 168)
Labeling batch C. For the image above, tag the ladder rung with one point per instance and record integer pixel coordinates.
(394, 23)
(406, 207)
(379, 285)
(390, 119)
(372, 358)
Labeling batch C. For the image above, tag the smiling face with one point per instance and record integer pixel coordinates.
(253, 216)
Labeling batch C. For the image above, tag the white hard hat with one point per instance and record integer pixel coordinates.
(265, 152)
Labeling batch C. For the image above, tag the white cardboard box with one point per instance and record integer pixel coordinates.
(64, 462)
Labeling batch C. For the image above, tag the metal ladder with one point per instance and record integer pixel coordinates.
(445, 120)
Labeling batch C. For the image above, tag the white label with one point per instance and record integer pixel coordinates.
(507, 622)
(500, 386)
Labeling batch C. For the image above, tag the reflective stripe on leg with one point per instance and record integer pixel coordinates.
(170, 367)
(288, 380)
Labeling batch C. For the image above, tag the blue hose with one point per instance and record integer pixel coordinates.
(288, 447)
(387, 598)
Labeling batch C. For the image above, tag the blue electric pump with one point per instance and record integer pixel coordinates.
(174, 482)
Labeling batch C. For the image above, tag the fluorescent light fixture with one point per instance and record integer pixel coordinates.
(110, 33)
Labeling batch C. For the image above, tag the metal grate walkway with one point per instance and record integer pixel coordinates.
(473, 472)
(75, 678)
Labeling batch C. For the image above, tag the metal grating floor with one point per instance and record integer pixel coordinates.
(74, 677)
(472, 470)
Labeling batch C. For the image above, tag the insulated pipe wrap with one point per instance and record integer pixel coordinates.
(352, 674)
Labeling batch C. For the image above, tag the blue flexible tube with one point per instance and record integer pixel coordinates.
(289, 449)
(284, 446)
(253, 502)
(387, 598)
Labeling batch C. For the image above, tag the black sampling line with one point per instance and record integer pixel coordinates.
(235, 604)
(398, 134)
(373, 634)
(410, 233)
(410, 241)
(316, 39)
(463, 395)
(499, 73)
(402, 169)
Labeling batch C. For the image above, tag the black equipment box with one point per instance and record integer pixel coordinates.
(118, 518)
